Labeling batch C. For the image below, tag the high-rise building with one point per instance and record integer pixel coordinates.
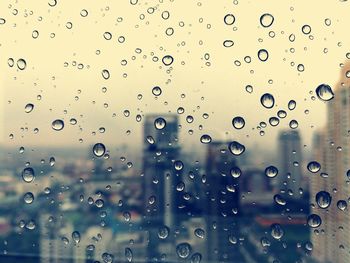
(332, 150)
(290, 175)
(221, 205)
(160, 177)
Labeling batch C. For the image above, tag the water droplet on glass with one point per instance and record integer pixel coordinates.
(21, 64)
(199, 232)
(196, 258)
(167, 60)
(159, 123)
(306, 29)
(57, 125)
(324, 92)
(99, 149)
(28, 198)
(265, 242)
(274, 121)
(236, 148)
(238, 122)
(267, 100)
(266, 20)
(279, 199)
(314, 220)
(293, 124)
(229, 19)
(157, 91)
(52, 161)
(249, 89)
(277, 231)
(10, 62)
(314, 166)
(292, 104)
(342, 205)
(76, 237)
(52, 3)
(323, 199)
(28, 174)
(107, 258)
(29, 107)
(235, 172)
(163, 232)
(183, 250)
(178, 165)
(263, 55)
(271, 171)
(228, 43)
(65, 240)
(105, 74)
(205, 139)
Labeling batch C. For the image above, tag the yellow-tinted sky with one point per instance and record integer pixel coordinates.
(213, 83)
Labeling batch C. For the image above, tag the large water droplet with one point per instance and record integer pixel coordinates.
(178, 165)
(28, 174)
(324, 92)
(163, 232)
(266, 20)
(99, 149)
(76, 237)
(306, 29)
(277, 231)
(342, 205)
(292, 104)
(29, 107)
(157, 91)
(107, 258)
(313, 166)
(205, 139)
(263, 55)
(236, 148)
(271, 171)
(238, 122)
(267, 100)
(235, 172)
(159, 123)
(28, 198)
(229, 19)
(183, 250)
(167, 60)
(314, 220)
(196, 258)
(57, 125)
(21, 64)
(199, 232)
(323, 199)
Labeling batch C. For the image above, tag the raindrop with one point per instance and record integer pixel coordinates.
(342, 205)
(199, 232)
(292, 104)
(65, 240)
(235, 172)
(163, 232)
(107, 258)
(263, 55)
(323, 199)
(314, 167)
(2, 21)
(35, 34)
(99, 149)
(52, 3)
(157, 91)
(267, 100)
(28, 174)
(271, 171)
(277, 231)
(76, 237)
(265, 242)
(10, 62)
(306, 29)
(228, 43)
(314, 220)
(183, 250)
(178, 165)
(159, 123)
(57, 125)
(293, 124)
(238, 122)
(28, 198)
(29, 107)
(52, 161)
(274, 121)
(279, 199)
(229, 19)
(84, 13)
(205, 139)
(105, 74)
(21, 64)
(266, 20)
(324, 92)
(107, 35)
(236, 148)
(167, 60)
(196, 258)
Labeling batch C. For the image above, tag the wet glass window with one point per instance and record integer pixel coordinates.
(174, 131)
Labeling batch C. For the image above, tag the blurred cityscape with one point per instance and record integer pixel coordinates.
(82, 205)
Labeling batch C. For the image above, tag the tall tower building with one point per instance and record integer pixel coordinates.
(332, 149)
(160, 178)
(221, 205)
(289, 179)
